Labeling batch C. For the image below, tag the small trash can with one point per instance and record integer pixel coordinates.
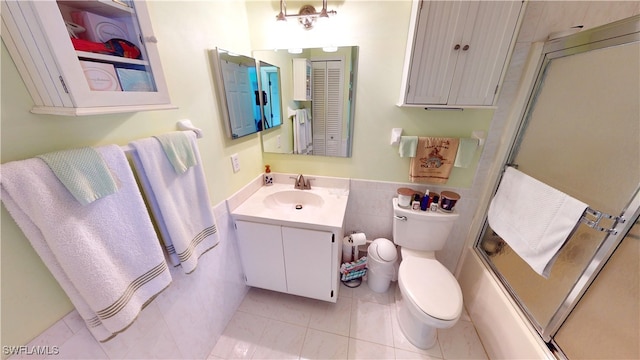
(381, 259)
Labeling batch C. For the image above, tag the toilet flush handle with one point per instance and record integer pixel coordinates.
(401, 218)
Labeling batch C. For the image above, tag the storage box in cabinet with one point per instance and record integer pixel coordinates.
(100, 76)
(101, 29)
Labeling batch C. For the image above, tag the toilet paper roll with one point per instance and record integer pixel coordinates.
(358, 239)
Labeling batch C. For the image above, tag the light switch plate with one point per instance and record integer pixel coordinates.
(235, 163)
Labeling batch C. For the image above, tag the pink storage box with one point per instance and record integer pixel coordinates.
(101, 29)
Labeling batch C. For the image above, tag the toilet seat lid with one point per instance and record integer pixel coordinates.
(431, 287)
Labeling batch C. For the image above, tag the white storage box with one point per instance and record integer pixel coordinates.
(100, 76)
(101, 29)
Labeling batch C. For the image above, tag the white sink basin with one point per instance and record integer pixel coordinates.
(322, 206)
(293, 199)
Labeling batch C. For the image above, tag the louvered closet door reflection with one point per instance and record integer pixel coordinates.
(327, 119)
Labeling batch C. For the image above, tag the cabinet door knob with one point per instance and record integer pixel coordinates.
(465, 48)
(457, 47)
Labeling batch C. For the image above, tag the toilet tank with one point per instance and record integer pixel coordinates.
(421, 230)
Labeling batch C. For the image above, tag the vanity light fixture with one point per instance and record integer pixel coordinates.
(307, 15)
(330, 49)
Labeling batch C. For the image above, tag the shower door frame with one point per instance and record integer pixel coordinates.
(618, 33)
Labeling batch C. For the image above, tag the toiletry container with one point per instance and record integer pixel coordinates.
(405, 197)
(268, 178)
(381, 260)
(431, 296)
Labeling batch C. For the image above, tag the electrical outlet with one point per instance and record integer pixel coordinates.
(235, 163)
(278, 141)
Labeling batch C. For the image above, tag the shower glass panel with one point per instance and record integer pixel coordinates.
(579, 339)
(581, 135)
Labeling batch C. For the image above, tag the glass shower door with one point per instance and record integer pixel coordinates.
(581, 135)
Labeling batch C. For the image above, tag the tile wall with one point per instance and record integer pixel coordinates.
(183, 322)
(370, 211)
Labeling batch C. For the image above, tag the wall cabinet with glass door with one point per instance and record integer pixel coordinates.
(458, 52)
(85, 57)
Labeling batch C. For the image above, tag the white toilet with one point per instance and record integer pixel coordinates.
(431, 296)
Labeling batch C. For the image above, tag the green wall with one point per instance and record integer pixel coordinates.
(32, 301)
(380, 29)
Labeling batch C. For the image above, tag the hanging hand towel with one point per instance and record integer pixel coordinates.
(466, 152)
(408, 146)
(183, 200)
(105, 255)
(533, 218)
(434, 160)
(309, 131)
(177, 147)
(83, 172)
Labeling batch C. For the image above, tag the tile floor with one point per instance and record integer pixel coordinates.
(361, 325)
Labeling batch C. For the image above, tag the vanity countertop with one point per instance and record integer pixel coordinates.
(322, 207)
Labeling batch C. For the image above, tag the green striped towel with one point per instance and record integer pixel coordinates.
(83, 172)
(177, 147)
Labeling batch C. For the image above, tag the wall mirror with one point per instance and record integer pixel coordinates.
(236, 80)
(318, 100)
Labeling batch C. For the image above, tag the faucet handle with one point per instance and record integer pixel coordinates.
(307, 183)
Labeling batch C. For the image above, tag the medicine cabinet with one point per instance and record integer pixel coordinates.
(85, 57)
(248, 93)
(458, 51)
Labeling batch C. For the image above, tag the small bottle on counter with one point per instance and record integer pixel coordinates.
(434, 203)
(415, 204)
(268, 178)
(424, 204)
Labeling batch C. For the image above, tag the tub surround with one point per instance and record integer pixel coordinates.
(502, 327)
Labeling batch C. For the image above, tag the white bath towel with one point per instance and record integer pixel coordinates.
(533, 218)
(105, 255)
(302, 138)
(183, 200)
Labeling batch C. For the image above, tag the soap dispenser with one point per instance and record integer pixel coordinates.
(268, 178)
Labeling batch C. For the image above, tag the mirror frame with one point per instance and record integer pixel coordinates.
(217, 56)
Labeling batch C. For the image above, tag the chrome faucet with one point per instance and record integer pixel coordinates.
(301, 183)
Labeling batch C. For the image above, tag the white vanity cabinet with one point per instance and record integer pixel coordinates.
(291, 260)
(458, 51)
(262, 255)
(302, 79)
(72, 77)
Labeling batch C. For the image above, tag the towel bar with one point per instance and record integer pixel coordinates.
(594, 222)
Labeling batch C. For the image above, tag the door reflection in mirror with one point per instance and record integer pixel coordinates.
(270, 98)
